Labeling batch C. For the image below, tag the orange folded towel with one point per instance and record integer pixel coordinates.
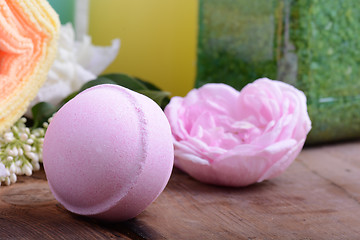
(28, 42)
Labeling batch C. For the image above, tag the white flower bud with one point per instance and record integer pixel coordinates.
(27, 147)
(9, 137)
(15, 152)
(15, 129)
(18, 163)
(24, 137)
(36, 166)
(21, 152)
(7, 181)
(10, 152)
(13, 178)
(12, 168)
(7, 172)
(29, 165)
(18, 171)
(30, 141)
(27, 170)
(32, 156)
(9, 158)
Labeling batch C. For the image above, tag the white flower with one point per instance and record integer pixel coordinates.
(14, 152)
(36, 166)
(33, 156)
(3, 171)
(23, 137)
(19, 156)
(13, 178)
(9, 137)
(27, 169)
(7, 181)
(21, 151)
(12, 168)
(27, 147)
(76, 63)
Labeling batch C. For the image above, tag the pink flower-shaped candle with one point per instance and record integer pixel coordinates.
(225, 137)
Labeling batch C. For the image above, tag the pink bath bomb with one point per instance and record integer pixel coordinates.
(108, 153)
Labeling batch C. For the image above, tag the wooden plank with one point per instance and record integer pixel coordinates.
(316, 198)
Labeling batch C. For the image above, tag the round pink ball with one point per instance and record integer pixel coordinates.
(108, 153)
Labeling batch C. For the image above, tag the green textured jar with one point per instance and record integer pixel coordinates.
(237, 41)
(311, 44)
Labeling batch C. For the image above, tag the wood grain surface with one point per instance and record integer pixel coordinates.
(318, 197)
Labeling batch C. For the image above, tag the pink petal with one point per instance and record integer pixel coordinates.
(229, 138)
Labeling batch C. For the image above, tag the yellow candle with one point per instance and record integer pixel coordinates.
(158, 39)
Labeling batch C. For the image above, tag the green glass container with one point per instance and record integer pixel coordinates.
(311, 44)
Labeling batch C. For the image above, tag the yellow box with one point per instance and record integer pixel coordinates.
(158, 39)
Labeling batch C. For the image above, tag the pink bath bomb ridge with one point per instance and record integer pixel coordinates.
(108, 153)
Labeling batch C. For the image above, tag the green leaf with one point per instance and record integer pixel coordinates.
(126, 81)
(89, 84)
(42, 112)
(149, 85)
(68, 98)
(160, 97)
(97, 81)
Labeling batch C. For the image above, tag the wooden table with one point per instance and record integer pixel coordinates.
(318, 197)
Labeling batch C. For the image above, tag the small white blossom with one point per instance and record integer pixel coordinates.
(27, 147)
(27, 170)
(15, 129)
(18, 171)
(20, 151)
(13, 178)
(36, 166)
(23, 137)
(7, 181)
(10, 152)
(9, 137)
(32, 156)
(15, 152)
(12, 168)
